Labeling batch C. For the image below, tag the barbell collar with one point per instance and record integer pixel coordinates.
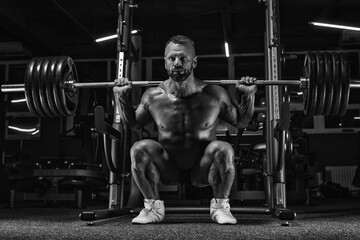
(355, 84)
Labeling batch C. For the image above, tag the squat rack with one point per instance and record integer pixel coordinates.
(275, 191)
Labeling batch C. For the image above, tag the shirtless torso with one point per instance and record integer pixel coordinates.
(186, 125)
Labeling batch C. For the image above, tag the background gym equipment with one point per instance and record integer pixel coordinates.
(51, 85)
(59, 84)
(44, 182)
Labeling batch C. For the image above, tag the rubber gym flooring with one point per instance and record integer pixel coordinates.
(333, 218)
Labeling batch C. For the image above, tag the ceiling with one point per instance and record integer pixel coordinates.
(69, 27)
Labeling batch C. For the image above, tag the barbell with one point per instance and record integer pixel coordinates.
(51, 85)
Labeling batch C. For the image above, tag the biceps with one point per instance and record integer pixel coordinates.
(229, 114)
(142, 115)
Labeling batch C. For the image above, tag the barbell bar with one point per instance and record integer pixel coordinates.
(51, 85)
(9, 88)
(72, 84)
(298, 83)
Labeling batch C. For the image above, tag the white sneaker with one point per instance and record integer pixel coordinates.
(153, 212)
(220, 211)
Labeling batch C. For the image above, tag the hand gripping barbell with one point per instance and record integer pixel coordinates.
(51, 85)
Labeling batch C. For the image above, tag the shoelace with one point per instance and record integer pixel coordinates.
(147, 210)
(225, 211)
(152, 210)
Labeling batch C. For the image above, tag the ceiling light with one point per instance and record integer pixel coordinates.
(35, 132)
(226, 49)
(106, 38)
(114, 36)
(18, 100)
(22, 129)
(328, 25)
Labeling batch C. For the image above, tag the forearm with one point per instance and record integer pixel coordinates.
(245, 108)
(125, 109)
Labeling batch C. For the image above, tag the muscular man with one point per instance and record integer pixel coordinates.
(186, 112)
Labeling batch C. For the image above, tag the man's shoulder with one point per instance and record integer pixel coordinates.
(214, 90)
(152, 93)
(217, 92)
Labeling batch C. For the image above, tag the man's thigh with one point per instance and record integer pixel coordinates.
(169, 172)
(200, 172)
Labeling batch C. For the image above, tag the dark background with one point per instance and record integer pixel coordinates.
(70, 27)
(66, 27)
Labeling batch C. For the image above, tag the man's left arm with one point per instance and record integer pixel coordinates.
(245, 99)
(239, 112)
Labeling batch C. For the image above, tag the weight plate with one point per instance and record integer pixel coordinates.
(329, 83)
(35, 83)
(49, 85)
(310, 94)
(57, 86)
(66, 100)
(345, 80)
(27, 86)
(306, 91)
(320, 84)
(42, 88)
(70, 96)
(337, 86)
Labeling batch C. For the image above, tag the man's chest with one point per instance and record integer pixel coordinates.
(199, 110)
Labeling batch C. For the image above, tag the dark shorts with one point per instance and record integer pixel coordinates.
(185, 176)
(187, 158)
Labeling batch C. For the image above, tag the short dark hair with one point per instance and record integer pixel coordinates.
(183, 40)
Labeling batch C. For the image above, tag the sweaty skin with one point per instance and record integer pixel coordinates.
(186, 112)
(185, 124)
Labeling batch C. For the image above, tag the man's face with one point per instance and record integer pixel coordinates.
(180, 60)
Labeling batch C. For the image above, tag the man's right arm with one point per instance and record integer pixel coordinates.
(134, 118)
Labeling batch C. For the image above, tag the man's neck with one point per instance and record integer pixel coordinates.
(182, 89)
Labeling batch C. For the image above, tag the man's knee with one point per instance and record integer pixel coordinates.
(140, 153)
(220, 151)
(222, 155)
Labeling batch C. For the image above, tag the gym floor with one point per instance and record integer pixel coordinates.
(332, 218)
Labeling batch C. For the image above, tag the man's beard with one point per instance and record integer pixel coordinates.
(179, 74)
